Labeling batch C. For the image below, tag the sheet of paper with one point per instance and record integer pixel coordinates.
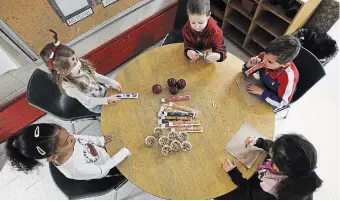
(236, 147)
(242, 83)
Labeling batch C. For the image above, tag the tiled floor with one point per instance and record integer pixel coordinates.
(315, 116)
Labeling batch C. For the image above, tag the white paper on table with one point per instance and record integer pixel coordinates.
(236, 146)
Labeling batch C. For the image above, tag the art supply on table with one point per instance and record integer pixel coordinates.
(176, 98)
(179, 114)
(201, 54)
(192, 123)
(236, 146)
(175, 126)
(178, 122)
(177, 118)
(253, 69)
(128, 96)
(184, 108)
(192, 129)
(185, 118)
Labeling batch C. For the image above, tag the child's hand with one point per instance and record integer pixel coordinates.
(253, 61)
(253, 89)
(193, 56)
(107, 139)
(112, 99)
(228, 165)
(250, 141)
(213, 57)
(117, 86)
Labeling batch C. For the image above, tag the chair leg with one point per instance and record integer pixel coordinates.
(132, 195)
(73, 128)
(164, 39)
(115, 195)
(287, 113)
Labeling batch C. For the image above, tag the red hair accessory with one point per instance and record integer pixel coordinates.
(54, 48)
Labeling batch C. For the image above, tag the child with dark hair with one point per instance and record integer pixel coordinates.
(202, 32)
(287, 174)
(279, 74)
(78, 157)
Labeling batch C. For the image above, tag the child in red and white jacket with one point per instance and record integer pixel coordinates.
(279, 74)
(202, 32)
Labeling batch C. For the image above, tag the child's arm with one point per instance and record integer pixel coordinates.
(252, 62)
(87, 101)
(92, 171)
(285, 91)
(105, 80)
(189, 42)
(97, 140)
(236, 177)
(229, 167)
(264, 144)
(259, 142)
(219, 45)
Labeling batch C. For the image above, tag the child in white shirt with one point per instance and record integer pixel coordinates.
(77, 157)
(77, 77)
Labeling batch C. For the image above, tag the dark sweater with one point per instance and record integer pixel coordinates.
(249, 189)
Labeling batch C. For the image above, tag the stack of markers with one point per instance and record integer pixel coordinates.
(180, 118)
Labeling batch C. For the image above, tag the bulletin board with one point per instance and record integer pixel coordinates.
(30, 20)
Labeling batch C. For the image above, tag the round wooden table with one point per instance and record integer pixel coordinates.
(197, 174)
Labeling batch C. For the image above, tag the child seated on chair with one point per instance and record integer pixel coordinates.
(77, 77)
(202, 32)
(78, 157)
(279, 74)
(287, 174)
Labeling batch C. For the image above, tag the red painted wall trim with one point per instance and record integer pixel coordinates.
(18, 113)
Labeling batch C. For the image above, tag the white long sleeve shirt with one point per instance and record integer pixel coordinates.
(90, 160)
(96, 93)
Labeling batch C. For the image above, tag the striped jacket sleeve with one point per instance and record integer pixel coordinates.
(285, 90)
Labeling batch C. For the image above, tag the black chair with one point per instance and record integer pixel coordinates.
(175, 36)
(79, 189)
(310, 72)
(45, 95)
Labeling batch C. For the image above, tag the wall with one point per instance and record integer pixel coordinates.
(31, 20)
(14, 82)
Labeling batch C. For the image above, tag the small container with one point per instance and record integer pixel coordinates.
(150, 141)
(173, 135)
(183, 136)
(164, 140)
(186, 146)
(157, 132)
(175, 145)
(166, 150)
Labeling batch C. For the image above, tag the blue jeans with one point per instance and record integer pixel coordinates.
(97, 109)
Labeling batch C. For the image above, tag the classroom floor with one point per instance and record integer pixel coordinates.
(315, 116)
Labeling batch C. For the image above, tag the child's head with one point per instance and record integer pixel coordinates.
(296, 157)
(198, 13)
(281, 51)
(64, 63)
(38, 141)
